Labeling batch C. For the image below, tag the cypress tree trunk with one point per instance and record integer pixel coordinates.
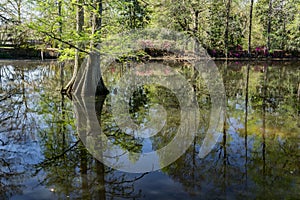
(79, 29)
(90, 81)
(96, 28)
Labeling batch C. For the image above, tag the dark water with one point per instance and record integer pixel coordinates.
(257, 157)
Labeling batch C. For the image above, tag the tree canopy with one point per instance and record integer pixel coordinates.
(218, 25)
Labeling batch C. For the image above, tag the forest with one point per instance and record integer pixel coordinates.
(226, 28)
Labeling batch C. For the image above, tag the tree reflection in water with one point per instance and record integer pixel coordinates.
(257, 157)
(18, 123)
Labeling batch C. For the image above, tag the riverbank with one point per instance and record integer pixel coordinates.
(27, 53)
(52, 53)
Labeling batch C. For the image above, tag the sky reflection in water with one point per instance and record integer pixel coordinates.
(258, 155)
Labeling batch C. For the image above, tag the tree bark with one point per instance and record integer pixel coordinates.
(88, 80)
(88, 76)
(79, 29)
(96, 28)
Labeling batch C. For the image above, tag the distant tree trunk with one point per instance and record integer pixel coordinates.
(60, 24)
(283, 35)
(250, 28)
(59, 5)
(19, 4)
(79, 29)
(196, 29)
(269, 26)
(284, 38)
(227, 27)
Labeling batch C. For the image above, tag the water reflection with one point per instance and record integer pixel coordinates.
(19, 121)
(258, 156)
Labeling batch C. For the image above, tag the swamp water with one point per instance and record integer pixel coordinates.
(257, 157)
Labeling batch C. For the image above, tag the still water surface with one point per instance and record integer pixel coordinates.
(258, 156)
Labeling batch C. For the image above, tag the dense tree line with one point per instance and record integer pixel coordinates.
(264, 26)
(225, 27)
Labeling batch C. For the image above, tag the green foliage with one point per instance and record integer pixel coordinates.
(284, 19)
(217, 24)
(54, 21)
(293, 27)
(133, 14)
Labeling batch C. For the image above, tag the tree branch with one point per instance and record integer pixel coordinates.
(65, 42)
(8, 20)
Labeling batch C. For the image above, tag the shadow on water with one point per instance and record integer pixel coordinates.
(258, 156)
